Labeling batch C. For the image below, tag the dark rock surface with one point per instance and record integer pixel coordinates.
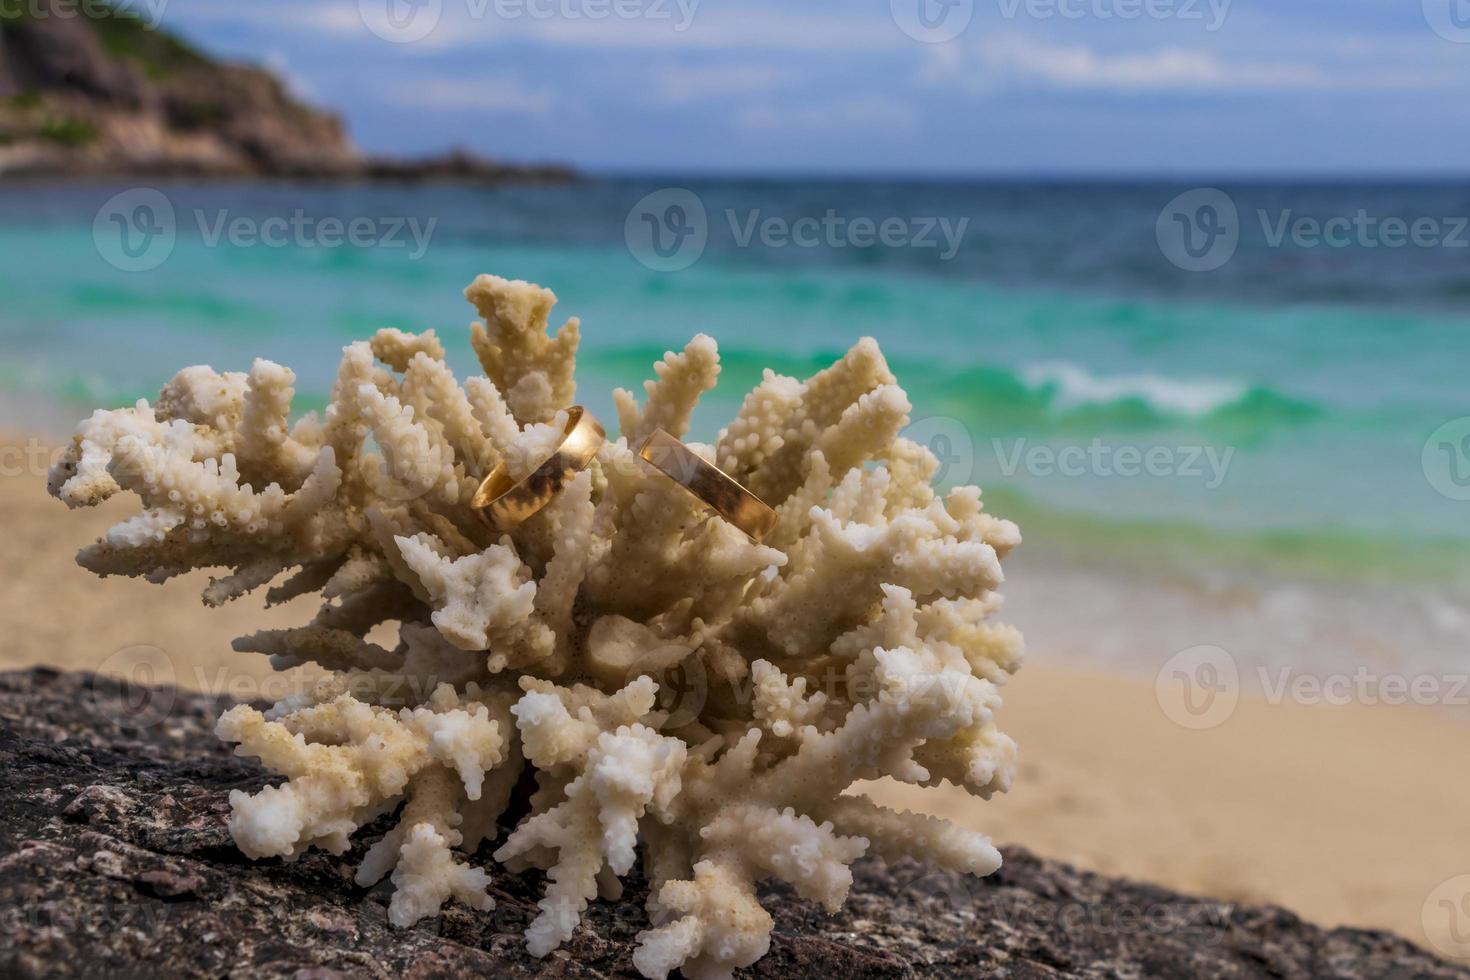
(89, 89)
(114, 861)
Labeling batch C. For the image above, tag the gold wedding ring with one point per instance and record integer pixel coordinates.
(504, 503)
(709, 483)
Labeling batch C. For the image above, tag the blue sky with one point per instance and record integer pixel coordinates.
(839, 86)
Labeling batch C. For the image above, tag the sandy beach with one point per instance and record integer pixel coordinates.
(1346, 815)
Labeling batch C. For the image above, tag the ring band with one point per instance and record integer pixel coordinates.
(504, 503)
(709, 483)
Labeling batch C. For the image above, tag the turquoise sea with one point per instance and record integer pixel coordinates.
(1280, 410)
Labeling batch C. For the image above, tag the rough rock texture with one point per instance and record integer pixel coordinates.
(106, 95)
(114, 861)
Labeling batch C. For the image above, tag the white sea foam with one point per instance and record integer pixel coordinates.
(1076, 387)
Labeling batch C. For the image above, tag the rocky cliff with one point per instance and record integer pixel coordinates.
(115, 862)
(91, 90)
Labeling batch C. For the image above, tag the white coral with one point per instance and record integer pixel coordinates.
(614, 779)
(673, 685)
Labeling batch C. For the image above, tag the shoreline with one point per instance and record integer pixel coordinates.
(1281, 627)
(1169, 550)
(1346, 815)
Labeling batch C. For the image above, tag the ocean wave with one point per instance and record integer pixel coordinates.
(1063, 398)
(1070, 387)
(1050, 396)
(1067, 398)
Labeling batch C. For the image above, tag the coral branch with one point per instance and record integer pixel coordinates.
(668, 685)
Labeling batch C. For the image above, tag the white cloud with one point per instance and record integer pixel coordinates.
(1076, 66)
(1010, 60)
(495, 94)
(717, 26)
(879, 114)
(286, 18)
(680, 86)
(672, 24)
